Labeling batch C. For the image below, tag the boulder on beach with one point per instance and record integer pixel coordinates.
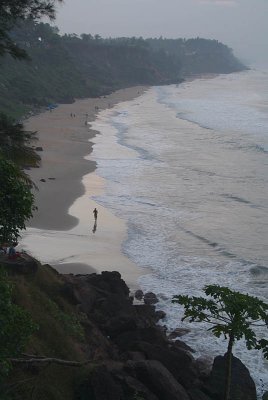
(138, 294)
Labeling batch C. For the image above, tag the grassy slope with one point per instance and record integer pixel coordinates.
(60, 335)
(40, 295)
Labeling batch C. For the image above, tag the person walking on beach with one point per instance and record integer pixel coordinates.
(95, 213)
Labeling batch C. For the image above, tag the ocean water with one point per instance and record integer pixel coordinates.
(187, 167)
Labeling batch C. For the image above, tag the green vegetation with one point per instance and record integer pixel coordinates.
(69, 321)
(16, 201)
(137, 396)
(14, 11)
(62, 68)
(16, 143)
(232, 314)
(41, 296)
(60, 334)
(199, 56)
(53, 69)
(16, 326)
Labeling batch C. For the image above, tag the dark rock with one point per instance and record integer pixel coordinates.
(146, 314)
(78, 290)
(134, 389)
(196, 394)
(104, 386)
(157, 379)
(52, 179)
(150, 298)
(134, 340)
(23, 265)
(138, 294)
(99, 386)
(135, 355)
(68, 292)
(109, 281)
(42, 180)
(97, 290)
(120, 324)
(204, 366)
(131, 357)
(179, 344)
(39, 149)
(105, 299)
(178, 332)
(160, 314)
(180, 363)
(242, 385)
(120, 330)
(163, 329)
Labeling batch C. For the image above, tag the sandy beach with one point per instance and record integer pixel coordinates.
(62, 230)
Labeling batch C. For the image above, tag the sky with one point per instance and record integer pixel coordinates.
(241, 24)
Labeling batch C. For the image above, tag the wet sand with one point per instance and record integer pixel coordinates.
(65, 141)
(62, 231)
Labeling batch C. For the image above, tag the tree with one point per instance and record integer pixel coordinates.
(14, 11)
(16, 326)
(231, 314)
(15, 142)
(16, 201)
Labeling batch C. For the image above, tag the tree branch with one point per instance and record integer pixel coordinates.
(48, 360)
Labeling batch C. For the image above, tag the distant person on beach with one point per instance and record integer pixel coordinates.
(95, 213)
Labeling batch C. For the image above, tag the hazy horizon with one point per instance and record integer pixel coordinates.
(240, 24)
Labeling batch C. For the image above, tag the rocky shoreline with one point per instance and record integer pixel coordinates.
(128, 355)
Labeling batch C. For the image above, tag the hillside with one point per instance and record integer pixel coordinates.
(199, 56)
(62, 68)
(92, 342)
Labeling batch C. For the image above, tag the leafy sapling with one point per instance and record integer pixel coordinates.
(231, 314)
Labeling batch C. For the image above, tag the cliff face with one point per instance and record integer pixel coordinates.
(122, 353)
(62, 68)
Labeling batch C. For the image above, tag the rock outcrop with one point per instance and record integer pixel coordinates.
(129, 356)
(242, 385)
(148, 363)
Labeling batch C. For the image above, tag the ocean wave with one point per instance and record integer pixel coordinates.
(193, 198)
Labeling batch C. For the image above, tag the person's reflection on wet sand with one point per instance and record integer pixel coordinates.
(94, 227)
